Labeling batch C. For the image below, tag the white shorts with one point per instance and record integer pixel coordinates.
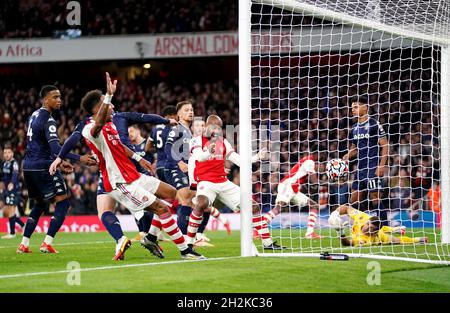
(287, 195)
(227, 192)
(138, 195)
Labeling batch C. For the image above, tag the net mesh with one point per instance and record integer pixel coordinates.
(305, 71)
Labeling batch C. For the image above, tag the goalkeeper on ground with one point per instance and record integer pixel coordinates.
(367, 230)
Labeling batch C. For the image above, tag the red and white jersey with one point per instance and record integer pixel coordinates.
(298, 175)
(212, 170)
(115, 166)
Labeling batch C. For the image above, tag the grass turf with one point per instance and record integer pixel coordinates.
(142, 272)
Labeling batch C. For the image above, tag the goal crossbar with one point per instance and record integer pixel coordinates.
(297, 6)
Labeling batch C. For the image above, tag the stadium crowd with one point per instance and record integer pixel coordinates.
(38, 18)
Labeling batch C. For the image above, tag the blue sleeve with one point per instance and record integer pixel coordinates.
(56, 148)
(15, 174)
(70, 144)
(141, 118)
(50, 130)
(169, 144)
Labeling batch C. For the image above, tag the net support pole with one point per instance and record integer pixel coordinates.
(445, 143)
(245, 137)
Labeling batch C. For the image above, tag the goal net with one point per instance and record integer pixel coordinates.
(309, 59)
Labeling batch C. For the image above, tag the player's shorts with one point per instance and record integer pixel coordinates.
(160, 174)
(227, 193)
(41, 185)
(11, 197)
(287, 195)
(367, 180)
(176, 178)
(138, 195)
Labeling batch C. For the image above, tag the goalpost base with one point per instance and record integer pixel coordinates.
(356, 255)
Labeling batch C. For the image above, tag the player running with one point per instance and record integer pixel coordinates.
(367, 230)
(42, 147)
(289, 192)
(210, 152)
(368, 138)
(11, 195)
(121, 180)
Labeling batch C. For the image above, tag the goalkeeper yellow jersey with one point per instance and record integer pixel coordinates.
(359, 219)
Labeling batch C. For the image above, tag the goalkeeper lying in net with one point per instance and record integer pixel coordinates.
(367, 230)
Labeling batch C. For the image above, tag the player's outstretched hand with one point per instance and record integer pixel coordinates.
(65, 167)
(54, 166)
(88, 159)
(110, 86)
(173, 122)
(147, 166)
(263, 154)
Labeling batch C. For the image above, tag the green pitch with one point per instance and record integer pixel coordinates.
(142, 272)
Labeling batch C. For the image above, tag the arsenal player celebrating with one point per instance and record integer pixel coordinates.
(210, 152)
(289, 192)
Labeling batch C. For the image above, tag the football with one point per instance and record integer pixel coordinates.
(336, 169)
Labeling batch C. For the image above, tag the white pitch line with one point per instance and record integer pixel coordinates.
(70, 243)
(112, 267)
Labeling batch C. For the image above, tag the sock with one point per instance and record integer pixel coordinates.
(48, 240)
(216, 214)
(195, 219)
(139, 224)
(261, 226)
(269, 216)
(312, 218)
(171, 228)
(202, 227)
(25, 241)
(19, 221)
(155, 227)
(12, 224)
(58, 217)
(33, 220)
(146, 221)
(112, 224)
(183, 213)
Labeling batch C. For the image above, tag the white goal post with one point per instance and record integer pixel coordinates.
(399, 53)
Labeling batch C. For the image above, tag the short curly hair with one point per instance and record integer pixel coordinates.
(90, 100)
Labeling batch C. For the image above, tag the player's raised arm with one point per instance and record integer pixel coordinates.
(102, 114)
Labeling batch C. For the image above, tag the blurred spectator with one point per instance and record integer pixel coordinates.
(39, 18)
